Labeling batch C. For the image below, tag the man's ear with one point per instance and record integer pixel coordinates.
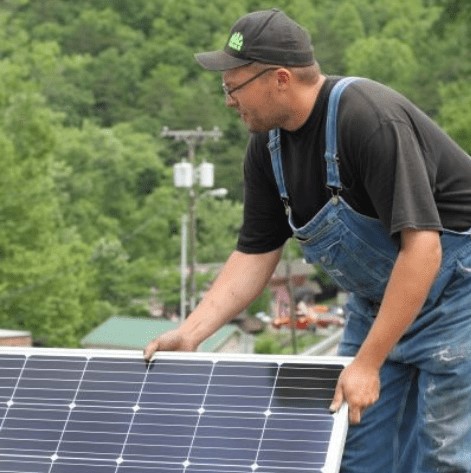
(283, 77)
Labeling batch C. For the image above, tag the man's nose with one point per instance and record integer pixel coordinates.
(230, 101)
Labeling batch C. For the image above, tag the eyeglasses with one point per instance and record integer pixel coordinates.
(228, 92)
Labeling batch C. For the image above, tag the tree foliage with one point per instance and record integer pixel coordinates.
(90, 219)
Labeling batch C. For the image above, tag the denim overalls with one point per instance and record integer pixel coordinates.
(422, 422)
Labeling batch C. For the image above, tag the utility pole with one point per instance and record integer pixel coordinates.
(183, 267)
(192, 138)
(292, 306)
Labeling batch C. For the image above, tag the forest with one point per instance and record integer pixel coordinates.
(90, 218)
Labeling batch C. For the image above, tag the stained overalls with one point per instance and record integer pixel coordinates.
(422, 421)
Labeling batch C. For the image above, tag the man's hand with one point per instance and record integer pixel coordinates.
(358, 385)
(173, 340)
(241, 280)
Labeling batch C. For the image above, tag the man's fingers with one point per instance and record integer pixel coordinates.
(169, 341)
(150, 349)
(337, 399)
(354, 412)
(354, 415)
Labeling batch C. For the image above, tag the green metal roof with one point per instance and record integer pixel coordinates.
(133, 333)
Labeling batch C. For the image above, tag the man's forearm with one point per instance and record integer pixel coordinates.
(412, 277)
(242, 279)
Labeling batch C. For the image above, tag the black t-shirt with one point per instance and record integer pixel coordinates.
(396, 165)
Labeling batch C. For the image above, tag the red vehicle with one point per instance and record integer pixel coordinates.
(317, 315)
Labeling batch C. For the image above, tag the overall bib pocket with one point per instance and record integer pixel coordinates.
(352, 263)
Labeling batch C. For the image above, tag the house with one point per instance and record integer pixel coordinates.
(134, 333)
(15, 338)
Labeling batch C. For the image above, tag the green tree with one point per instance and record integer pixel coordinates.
(455, 113)
(339, 27)
(96, 30)
(217, 228)
(44, 284)
(386, 60)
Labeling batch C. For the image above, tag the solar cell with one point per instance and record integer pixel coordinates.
(82, 411)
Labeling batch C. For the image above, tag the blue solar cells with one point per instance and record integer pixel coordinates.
(72, 411)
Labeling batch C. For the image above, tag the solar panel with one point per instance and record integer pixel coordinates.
(84, 411)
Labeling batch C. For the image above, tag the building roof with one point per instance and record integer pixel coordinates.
(134, 333)
(5, 333)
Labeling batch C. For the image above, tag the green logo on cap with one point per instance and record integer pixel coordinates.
(236, 41)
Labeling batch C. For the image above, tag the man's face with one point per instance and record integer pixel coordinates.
(250, 91)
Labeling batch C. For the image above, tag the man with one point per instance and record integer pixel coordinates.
(378, 195)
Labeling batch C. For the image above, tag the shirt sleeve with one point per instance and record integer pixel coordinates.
(397, 178)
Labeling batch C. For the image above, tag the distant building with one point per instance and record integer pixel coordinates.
(134, 333)
(303, 287)
(15, 338)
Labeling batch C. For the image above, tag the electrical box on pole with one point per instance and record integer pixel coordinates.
(206, 174)
(183, 174)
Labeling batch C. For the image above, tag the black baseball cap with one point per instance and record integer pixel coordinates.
(267, 36)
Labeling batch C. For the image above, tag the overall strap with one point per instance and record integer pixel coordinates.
(274, 146)
(333, 175)
(331, 156)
